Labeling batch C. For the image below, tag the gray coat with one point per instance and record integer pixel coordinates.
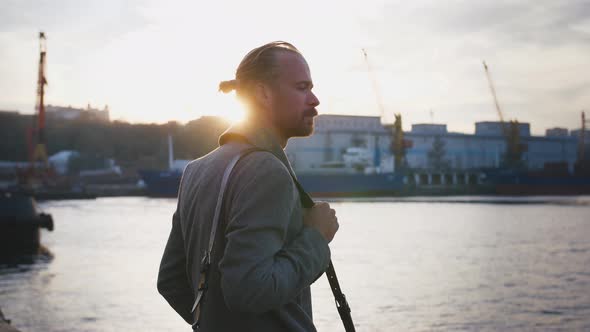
(264, 258)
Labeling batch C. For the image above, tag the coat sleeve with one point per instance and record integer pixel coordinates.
(173, 282)
(259, 270)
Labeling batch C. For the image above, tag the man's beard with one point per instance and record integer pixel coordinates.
(302, 130)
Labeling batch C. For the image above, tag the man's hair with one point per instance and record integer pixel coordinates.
(259, 65)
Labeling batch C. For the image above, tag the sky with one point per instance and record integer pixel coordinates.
(160, 61)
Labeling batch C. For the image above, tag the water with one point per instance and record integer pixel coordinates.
(407, 265)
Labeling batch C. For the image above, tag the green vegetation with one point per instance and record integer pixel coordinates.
(512, 157)
(398, 144)
(436, 155)
(131, 145)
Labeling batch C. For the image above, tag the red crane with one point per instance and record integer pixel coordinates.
(39, 170)
(39, 152)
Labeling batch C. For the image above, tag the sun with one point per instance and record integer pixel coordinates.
(234, 115)
(227, 107)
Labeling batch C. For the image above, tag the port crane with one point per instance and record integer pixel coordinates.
(582, 145)
(514, 149)
(582, 165)
(39, 152)
(39, 168)
(398, 143)
(375, 86)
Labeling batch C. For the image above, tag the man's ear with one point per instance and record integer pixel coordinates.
(263, 95)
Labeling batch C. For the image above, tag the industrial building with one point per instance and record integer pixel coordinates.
(55, 112)
(335, 135)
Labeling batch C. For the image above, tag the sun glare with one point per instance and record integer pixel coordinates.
(234, 116)
(230, 108)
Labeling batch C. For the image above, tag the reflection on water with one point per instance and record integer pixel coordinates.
(410, 264)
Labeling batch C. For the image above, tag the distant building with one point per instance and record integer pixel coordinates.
(556, 132)
(72, 113)
(578, 132)
(9, 112)
(585, 145)
(496, 128)
(429, 128)
(334, 134)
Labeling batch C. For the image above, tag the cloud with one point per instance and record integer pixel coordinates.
(99, 20)
(424, 54)
(541, 23)
(429, 53)
(498, 24)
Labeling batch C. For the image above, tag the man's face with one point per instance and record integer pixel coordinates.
(293, 104)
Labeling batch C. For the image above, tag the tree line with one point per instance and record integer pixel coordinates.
(130, 145)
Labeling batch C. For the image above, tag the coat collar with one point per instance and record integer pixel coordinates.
(259, 136)
(265, 139)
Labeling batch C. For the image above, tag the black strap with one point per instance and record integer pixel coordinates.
(339, 297)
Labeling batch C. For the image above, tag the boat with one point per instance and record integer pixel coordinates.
(351, 177)
(352, 185)
(161, 183)
(20, 224)
(164, 183)
(553, 179)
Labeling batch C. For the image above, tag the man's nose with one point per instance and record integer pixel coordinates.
(313, 101)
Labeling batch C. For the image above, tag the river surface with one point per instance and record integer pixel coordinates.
(461, 264)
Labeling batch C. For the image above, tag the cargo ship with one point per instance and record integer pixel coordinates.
(355, 176)
(554, 179)
(164, 183)
(160, 183)
(335, 179)
(352, 185)
(497, 182)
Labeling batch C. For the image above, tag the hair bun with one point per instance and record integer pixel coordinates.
(228, 86)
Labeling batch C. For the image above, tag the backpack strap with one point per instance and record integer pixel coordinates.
(206, 260)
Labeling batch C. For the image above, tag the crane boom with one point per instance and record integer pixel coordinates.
(493, 90)
(375, 86)
(398, 143)
(511, 131)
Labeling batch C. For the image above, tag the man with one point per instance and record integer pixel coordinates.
(268, 249)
